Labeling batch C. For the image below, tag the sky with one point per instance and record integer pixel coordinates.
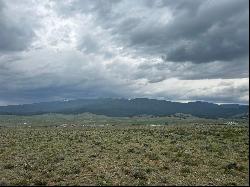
(174, 50)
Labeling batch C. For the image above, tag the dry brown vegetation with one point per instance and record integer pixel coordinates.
(135, 155)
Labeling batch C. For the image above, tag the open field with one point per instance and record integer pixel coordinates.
(87, 119)
(125, 155)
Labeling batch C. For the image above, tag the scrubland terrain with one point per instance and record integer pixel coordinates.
(132, 153)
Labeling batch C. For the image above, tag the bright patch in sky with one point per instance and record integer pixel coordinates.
(174, 50)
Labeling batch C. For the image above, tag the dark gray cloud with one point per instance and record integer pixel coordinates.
(199, 31)
(16, 33)
(225, 40)
(178, 50)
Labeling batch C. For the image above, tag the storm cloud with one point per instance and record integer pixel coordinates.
(174, 50)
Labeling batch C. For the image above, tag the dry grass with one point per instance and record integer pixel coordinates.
(172, 155)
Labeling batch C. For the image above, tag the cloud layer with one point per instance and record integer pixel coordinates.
(177, 50)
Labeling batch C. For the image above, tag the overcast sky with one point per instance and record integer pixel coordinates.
(180, 50)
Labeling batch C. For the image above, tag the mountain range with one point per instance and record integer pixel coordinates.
(128, 108)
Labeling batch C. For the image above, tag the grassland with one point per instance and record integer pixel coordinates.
(87, 119)
(124, 155)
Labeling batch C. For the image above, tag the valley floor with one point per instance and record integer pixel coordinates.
(132, 155)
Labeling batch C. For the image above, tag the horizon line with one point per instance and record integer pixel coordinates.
(177, 101)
